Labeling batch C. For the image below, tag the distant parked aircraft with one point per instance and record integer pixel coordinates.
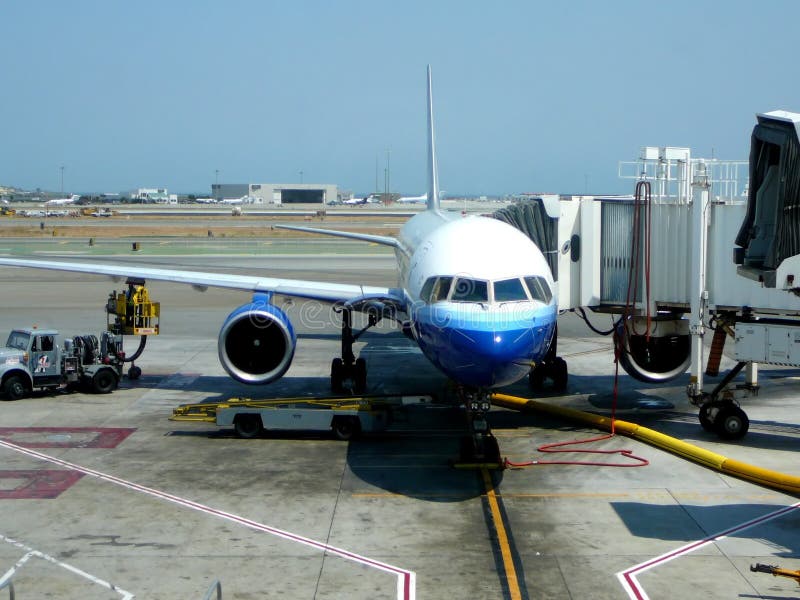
(63, 201)
(242, 200)
(423, 199)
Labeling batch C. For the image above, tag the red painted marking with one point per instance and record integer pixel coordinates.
(84, 437)
(38, 484)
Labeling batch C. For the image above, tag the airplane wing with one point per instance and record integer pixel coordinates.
(314, 290)
(364, 237)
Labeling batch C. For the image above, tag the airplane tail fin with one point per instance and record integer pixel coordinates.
(433, 175)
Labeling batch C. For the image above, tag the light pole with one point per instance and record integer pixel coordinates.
(62, 179)
(388, 177)
(301, 176)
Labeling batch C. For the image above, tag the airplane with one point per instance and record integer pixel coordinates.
(242, 200)
(413, 199)
(63, 201)
(475, 294)
(364, 200)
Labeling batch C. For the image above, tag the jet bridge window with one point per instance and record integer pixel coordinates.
(539, 289)
(470, 290)
(509, 290)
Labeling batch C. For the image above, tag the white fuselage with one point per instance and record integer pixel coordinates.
(469, 286)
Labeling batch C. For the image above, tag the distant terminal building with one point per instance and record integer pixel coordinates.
(276, 193)
(152, 195)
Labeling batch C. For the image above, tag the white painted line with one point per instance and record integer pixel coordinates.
(628, 578)
(31, 553)
(406, 580)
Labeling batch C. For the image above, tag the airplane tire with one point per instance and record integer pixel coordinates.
(536, 378)
(731, 422)
(247, 426)
(337, 372)
(560, 374)
(360, 376)
(14, 388)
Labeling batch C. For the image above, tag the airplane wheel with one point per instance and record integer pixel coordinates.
(705, 420)
(346, 428)
(248, 426)
(360, 376)
(536, 378)
(559, 374)
(731, 423)
(337, 369)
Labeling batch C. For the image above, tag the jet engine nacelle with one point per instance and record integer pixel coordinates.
(257, 341)
(662, 356)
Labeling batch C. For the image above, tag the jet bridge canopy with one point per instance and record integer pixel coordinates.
(770, 232)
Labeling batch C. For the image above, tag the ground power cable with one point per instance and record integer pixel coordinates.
(643, 201)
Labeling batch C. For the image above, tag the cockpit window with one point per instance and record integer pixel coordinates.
(539, 289)
(436, 289)
(509, 290)
(442, 288)
(470, 290)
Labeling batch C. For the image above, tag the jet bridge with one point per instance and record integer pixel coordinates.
(695, 250)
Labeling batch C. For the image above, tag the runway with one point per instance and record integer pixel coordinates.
(116, 494)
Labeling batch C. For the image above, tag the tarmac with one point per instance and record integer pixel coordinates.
(101, 496)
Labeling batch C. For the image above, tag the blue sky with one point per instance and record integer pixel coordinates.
(529, 95)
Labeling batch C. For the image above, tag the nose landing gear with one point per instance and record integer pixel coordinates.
(479, 448)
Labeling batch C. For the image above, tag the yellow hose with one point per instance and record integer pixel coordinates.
(712, 460)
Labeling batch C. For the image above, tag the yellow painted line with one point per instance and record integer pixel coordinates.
(502, 538)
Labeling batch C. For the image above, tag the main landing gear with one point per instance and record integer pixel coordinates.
(552, 367)
(348, 372)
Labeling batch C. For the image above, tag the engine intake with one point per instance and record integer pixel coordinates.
(660, 357)
(256, 343)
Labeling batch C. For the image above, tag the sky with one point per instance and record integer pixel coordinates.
(529, 96)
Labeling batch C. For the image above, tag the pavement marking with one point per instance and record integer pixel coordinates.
(406, 580)
(505, 548)
(628, 578)
(66, 437)
(36, 484)
(31, 553)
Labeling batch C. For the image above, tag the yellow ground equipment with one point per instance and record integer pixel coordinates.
(7, 212)
(131, 312)
(345, 417)
(776, 571)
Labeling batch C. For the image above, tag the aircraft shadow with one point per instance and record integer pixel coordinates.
(686, 523)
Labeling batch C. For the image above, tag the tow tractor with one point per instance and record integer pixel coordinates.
(345, 417)
(776, 571)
